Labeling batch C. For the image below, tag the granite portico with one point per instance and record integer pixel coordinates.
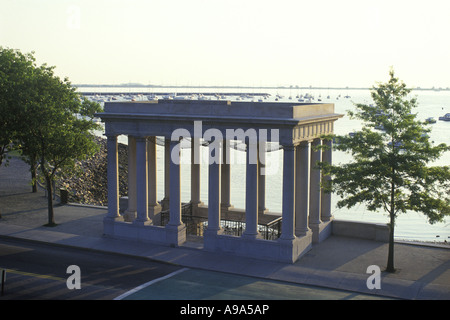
(306, 210)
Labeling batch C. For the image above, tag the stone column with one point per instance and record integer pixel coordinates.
(153, 206)
(113, 178)
(214, 193)
(261, 179)
(225, 177)
(195, 173)
(326, 197)
(175, 184)
(175, 229)
(130, 213)
(314, 198)
(165, 201)
(141, 181)
(251, 193)
(287, 226)
(302, 188)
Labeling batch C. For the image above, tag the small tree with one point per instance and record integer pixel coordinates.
(56, 127)
(391, 161)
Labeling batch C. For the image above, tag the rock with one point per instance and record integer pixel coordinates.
(87, 184)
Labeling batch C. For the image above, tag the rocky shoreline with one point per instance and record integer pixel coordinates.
(87, 183)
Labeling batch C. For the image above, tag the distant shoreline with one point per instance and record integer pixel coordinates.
(138, 85)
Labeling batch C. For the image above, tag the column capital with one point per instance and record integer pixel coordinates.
(289, 147)
(110, 137)
(305, 143)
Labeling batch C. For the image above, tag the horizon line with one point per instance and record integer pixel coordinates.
(81, 85)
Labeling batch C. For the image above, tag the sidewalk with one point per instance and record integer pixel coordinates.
(338, 262)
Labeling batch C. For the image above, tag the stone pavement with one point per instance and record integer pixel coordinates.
(423, 271)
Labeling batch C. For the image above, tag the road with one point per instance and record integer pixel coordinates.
(39, 271)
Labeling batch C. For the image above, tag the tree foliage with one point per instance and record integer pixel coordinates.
(392, 167)
(52, 123)
(15, 71)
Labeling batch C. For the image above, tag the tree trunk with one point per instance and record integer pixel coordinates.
(390, 262)
(33, 178)
(51, 216)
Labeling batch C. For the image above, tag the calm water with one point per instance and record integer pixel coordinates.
(410, 226)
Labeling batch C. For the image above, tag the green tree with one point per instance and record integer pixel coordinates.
(51, 123)
(392, 161)
(60, 128)
(15, 72)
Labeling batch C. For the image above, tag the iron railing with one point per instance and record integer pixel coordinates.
(196, 225)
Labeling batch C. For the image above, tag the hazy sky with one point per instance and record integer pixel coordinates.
(234, 42)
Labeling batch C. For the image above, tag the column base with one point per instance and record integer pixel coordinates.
(129, 215)
(195, 206)
(320, 231)
(154, 213)
(263, 211)
(302, 232)
(108, 225)
(175, 235)
(251, 236)
(225, 207)
(292, 250)
(210, 239)
(138, 222)
(164, 204)
(326, 218)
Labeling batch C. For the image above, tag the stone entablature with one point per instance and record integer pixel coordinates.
(295, 122)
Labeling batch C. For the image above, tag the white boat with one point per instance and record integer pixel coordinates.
(203, 97)
(175, 97)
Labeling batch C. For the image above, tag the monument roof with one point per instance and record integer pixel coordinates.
(220, 110)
